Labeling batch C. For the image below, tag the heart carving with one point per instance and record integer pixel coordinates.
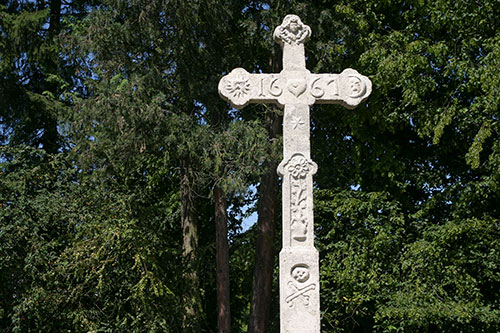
(296, 87)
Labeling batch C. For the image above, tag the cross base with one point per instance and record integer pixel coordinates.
(299, 290)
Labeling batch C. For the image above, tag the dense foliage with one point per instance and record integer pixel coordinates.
(113, 133)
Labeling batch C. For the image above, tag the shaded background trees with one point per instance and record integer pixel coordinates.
(121, 163)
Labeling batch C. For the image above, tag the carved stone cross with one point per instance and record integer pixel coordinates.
(295, 89)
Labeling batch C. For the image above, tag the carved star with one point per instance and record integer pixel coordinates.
(297, 122)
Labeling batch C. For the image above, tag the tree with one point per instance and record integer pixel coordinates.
(156, 169)
(395, 247)
(36, 71)
(34, 225)
(188, 104)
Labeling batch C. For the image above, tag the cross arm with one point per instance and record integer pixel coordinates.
(348, 88)
(240, 88)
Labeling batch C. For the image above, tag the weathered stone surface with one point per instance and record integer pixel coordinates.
(348, 88)
(295, 89)
(299, 290)
(297, 172)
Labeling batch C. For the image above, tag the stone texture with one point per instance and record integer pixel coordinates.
(296, 89)
(299, 290)
(348, 88)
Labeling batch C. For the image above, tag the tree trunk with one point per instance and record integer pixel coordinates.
(264, 252)
(50, 136)
(221, 241)
(223, 301)
(191, 296)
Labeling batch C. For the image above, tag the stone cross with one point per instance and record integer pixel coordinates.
(296, 89)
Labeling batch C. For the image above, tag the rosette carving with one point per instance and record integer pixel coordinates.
(298, 166)
(236, 87)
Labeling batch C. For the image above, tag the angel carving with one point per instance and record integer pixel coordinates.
(292, 31)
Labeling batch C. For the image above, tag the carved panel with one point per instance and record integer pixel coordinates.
(292, 31)
(348, 88)
(298, 285)
(298, 168)
(236, 87)
(240, 87)
(297, 87)
(355, 86)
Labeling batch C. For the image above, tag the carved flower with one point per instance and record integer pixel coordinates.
(298, 167)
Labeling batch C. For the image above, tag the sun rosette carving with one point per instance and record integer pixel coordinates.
(298, 166)
(236, 88)
(292, 31)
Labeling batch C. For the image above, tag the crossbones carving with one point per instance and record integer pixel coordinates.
(299, 292)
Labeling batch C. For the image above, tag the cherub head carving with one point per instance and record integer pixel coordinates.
(292, 31)
(356, 86)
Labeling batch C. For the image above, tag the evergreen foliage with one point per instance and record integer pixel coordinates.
(109, 111)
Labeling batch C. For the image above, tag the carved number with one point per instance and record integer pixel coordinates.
(261, 94)
(335, 86)
(274, 89)
(316, 90)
